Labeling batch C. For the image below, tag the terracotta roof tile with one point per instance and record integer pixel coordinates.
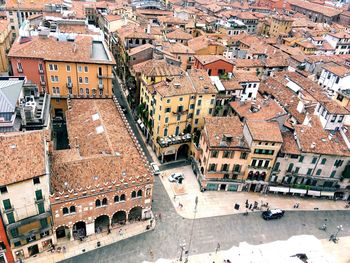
(336, 69)
(264, 130)
(289, 145)
(208, 59)
(178, 34)
(22, 156)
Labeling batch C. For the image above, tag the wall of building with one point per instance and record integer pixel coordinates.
(213, 68)
(3, 239)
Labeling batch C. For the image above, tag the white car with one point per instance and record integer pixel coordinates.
(155, 168)
(176, 177)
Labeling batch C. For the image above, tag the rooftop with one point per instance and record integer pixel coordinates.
(83, 49)
(337, 69)
(224, 131)
(208, 59)
(289, 145)
(102, 149)
(154, 68)
(179, 34)
(22, 156)
(258, 130)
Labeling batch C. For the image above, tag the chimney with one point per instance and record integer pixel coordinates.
(149, 28)
(74, 48)
(313, 145)
(330, 136)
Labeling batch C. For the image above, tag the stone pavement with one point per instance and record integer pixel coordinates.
(331, 252)
(76, 247)
(218, 203)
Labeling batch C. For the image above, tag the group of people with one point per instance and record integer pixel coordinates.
(255, 205)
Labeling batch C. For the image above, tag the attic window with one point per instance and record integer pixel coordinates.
(95, 117)
(13, 146)
(177, 85)
(201, 78)
(99, 129)
(227, 137)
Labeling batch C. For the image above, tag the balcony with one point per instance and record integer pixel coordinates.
(20, 70)
(171, 140)
(39, 200)
(41, 71)
(8, 209)
(180, 112)
(28, 220)
(100, 86)
(43, 82)
(69, 85)
(104, 76)
(259, 168)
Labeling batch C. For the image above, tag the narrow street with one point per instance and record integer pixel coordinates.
(205, 233)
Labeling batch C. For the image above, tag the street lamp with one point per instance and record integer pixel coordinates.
(339, 228)
(182, 246)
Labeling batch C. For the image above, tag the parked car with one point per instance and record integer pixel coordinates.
(155, 169)
(176, 177)
(273, 214)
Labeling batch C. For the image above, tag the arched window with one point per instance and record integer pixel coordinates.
(122, 197)
(104, 201)
(97, 203)
(65, 210)
(72, 209)
(116, 199)
(133, 194)
(139, 193)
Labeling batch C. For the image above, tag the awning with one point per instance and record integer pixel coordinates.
(142, 126)
(314, 193)
(278, 189)
(327, 194)
(139, 121)
(297, 191)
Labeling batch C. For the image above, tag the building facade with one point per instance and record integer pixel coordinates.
(25, 192)
(5, 41)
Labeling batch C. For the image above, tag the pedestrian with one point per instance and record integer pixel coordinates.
(151, 253)
(160, 217)
(250, 207)
(121, 232)
(174, 198)
(298, 205)
(109, 230)
(64, 249)
(246, 202)
(217, 248)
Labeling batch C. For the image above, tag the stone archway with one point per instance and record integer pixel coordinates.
(79, 230)
(135, 213)
(62, 232)
(101, 223)
(119, 218)
(182, 152)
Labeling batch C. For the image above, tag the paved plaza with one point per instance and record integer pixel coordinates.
(218, 203)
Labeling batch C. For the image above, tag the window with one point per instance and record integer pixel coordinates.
(166, 119)
(244, 155)
(165, 132)
(43, 223)
(10, 218)
(41, 68)
(54, 78)
(68, 68)
(225, 167)
(212, 101)
(277, 166)
(86, 69)
(198, 112)
(192, 106)
(297, 169)
(340, 97)
(80, 80)
(214, 154)
(338, 163)
(324, 160)
(177, 130)
(104, 201)
(337, 80)
(116, 199)
(212, 167)
(65, 211)
(122, 197)
(196, 121)
(81, 91)
(80, 69)
(36, 180)
(53, 67)
(41, 208)
(333, 118)
(341, 117)
(333, 174)
(133, 194)
(139, 193)
(181, 99)
(14, 232)
(199, 102)
(290, 167)
(168, 101)
(86, 80)
(87, 91)
(314, 159)
(7, 204)
(69, 79)
(167, 110)
(227, 154)
(301, 159)
(72, 209)
(38, 195)
(319, 171)
(309, 171)
(237, 168)
(98, 203)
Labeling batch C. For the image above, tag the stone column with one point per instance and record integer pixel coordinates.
(90, 228)
(71, 234)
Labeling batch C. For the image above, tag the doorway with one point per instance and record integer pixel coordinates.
(252, 188)
(222, 187)
(33, 250)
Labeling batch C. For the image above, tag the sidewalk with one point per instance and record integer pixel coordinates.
(319, 251)
(76, 247)
(218, 203)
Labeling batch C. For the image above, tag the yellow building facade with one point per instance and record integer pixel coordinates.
(175, 111)
(280, 25)
(5, 38)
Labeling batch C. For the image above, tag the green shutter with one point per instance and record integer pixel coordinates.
(14, 232)
(10, 218)
(41, 208)
(38, 195)
(7, 204)
(43, 223)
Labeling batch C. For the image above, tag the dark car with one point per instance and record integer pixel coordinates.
(272, 214)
